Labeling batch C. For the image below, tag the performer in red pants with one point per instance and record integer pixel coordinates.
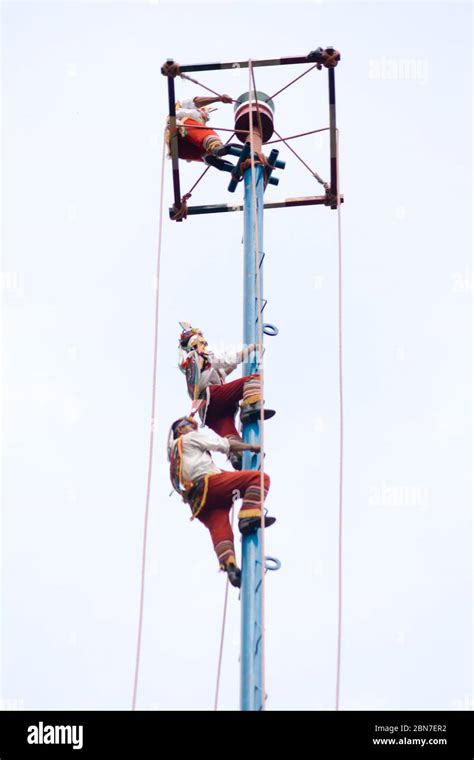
(195, 142)
(216, 400)
(211, 492)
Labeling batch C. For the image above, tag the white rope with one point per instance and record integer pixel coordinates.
(152, 431)
(224, 616)
(341, 431)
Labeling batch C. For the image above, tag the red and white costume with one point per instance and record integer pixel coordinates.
(194, 141)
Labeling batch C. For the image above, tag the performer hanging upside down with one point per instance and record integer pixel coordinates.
(216, 400)
(211, 492)
(194, 142)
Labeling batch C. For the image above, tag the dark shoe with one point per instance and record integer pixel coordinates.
(248, 524)
(233, 574)
(251, 413)
(218, 163)
(236, 460)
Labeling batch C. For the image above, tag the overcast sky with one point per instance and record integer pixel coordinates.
(84, 106)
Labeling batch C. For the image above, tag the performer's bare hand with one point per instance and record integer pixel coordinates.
(238, 445)
(226, 99)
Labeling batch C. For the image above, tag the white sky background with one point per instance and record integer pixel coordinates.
(83, 109)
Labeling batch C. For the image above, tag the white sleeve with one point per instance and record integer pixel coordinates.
(188, 103)
(224, 362)
(206, 440)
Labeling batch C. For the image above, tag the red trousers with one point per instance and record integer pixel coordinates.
(223, 490)
(190, 148)
(223, 406)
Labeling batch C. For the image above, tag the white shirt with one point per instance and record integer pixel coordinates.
(197, 460)
(188, 110)
(221, 366)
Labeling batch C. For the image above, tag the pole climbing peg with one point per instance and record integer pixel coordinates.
(270, 330)
(272, 563)
(237, 173)
(272, 164)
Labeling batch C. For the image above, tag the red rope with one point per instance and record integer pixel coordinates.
(221, 129)
(245, 132)
(292, 82)
(293, 137)
(315, 174)
(205, 170)
(198, 181)
(200, 84)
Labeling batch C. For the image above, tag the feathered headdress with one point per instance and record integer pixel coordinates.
(188, 332)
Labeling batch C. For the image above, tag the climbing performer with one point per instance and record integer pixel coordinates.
(211, 492)
(217, 401)
(194, 142)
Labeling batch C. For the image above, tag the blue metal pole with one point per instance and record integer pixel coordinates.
(251, 692)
